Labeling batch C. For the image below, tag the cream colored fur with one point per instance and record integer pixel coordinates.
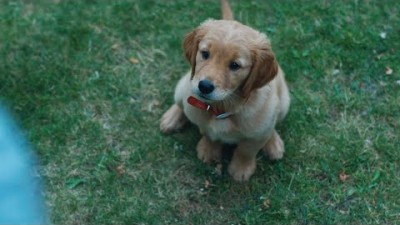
(256, 95)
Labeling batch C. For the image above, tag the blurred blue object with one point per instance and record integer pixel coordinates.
(21, 200)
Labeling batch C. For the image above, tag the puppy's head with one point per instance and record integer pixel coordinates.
(228, 59)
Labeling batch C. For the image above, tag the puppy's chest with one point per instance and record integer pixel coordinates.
(224, 130)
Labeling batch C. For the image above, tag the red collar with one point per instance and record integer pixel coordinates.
(201, 105)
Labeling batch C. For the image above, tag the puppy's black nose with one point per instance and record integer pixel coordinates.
(206, 87)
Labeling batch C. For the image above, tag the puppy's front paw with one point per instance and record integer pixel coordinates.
(274, 147)
(172, 120)
(242, 170)
(208, 151)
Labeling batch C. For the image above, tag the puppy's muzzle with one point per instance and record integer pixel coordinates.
(206, 87)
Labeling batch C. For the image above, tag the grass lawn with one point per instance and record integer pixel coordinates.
(89, 80)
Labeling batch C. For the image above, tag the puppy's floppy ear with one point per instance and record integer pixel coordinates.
(264, 69)
(190, 47)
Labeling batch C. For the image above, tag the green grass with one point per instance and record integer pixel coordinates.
(66, 74)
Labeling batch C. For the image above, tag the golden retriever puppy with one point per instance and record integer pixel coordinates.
(235, 93)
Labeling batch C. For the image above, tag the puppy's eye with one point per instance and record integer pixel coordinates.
(205, 54)
(234, 66)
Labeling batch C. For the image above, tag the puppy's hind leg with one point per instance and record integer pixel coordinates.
(275, 147)
(172, 120)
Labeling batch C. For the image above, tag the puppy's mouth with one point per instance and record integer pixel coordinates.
(205, 97)
(209, 98)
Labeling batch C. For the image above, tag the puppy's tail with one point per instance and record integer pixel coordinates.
(226, 11)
